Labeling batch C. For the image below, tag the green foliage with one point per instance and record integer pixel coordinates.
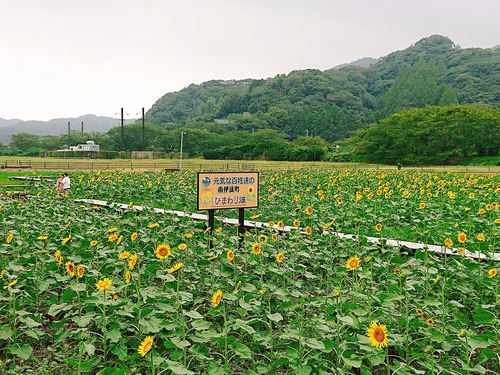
(334, 103)
(433, 135)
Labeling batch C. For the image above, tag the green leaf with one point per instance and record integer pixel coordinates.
(178, 368)
(89, 349)
(181, 344)
(315, 344)
(114, 335)
(276, 317)
(78, 287)
(120, 351)
(242, 350)
(5, 332)
(193, 314)
(305, 370)
(112, 371)
(84, 320)
(150, 325)
(201, 325)
(56, 309)
(23, 352)
(482, 316)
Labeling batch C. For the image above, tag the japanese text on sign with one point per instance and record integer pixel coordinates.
(221, 190)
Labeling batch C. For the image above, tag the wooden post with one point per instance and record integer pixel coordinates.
(211, 224)
(241, 227)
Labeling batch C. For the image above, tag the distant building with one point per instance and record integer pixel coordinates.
(87, 146)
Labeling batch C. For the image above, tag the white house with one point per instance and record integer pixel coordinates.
(88, 146)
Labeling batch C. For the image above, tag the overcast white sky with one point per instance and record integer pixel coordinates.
(66, 58)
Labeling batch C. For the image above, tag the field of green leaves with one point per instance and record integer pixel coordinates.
(94, 290)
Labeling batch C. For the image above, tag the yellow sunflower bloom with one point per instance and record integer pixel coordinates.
(280, 257)
(230, 255)
(256, 248)
(353, 263)
(103, 284)
(462, 237)
(132, 261)
(80, 271)
(377, 335)
(216, 298)
(70, 268)
(492, 273)
(162, 251)
(145, 346)
(133, 236)
(176, 267)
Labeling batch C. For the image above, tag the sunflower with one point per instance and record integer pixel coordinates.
(430, 321)
(176, 267)
(339, 201)
(152, 225)
(93, 243)
(461, 251)
(448, 242)
(119, 240)
(133, 236)
(308, 230)
(335, 293)
(58, 256)
(66, 240)
(162, 251)
(419, 312)
(182, 246)
(271, 224)
(128, 277)
(230, 255)
(42, 238)
(80, 270)
(70, 268)
(462, 237)
(145, 346)
(132, 261)
(309, 210)
(262, 239)
(296, 223)
(188, 235)
(480, 237)
(492, 273)
(280, 257)
(124, 255)
(497, 221)
(112, 230)
(378, 227)
(112, 237)
(103, 284)
(377, 335)
(256, 249)
(274, 237)
(481, 211)
(216, 298)
(213, 258)
(422, 205)
(12, 283)
(280, 224)
(352, 263)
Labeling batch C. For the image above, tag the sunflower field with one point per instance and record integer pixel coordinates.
(106, 290)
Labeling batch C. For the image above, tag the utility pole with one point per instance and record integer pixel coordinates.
(82, 126)
(180, 156)
(143, 132)
(122, 133)
(69, 127)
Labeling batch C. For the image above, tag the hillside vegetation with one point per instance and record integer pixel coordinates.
(334, 103)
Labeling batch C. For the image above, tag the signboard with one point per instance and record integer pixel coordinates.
(224, 190)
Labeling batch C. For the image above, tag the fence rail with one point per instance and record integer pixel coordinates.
(169, 165)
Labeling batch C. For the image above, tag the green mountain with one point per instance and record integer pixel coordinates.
(334, 103)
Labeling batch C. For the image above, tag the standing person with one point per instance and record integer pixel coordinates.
(59, 186)
(66, 184)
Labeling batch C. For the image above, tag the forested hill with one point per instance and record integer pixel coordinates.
(333, 103)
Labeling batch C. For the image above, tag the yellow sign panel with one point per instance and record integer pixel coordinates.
(222, 190)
